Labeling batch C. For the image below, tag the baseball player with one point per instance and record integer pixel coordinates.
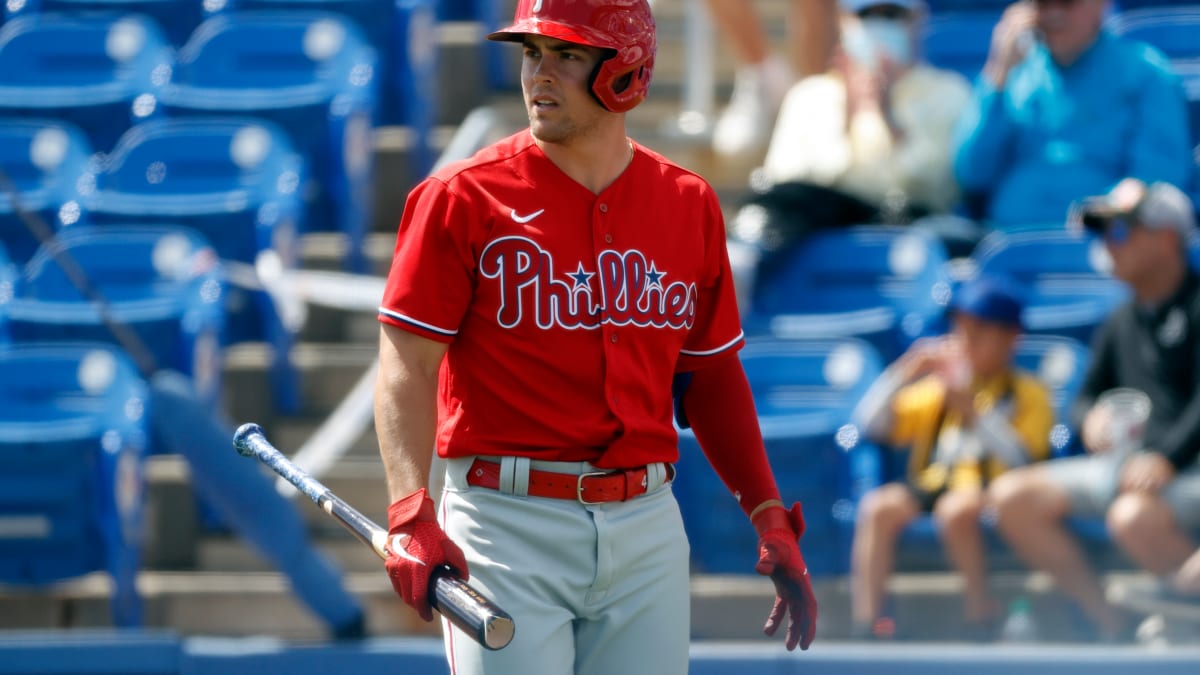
(544, 298)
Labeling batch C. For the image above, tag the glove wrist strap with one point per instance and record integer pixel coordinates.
(774, 517)
(415, 507)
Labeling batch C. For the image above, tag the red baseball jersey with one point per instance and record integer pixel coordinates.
(567, 313)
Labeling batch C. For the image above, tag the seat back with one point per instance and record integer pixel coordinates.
(885, 284)
(401, 33)
(311, 73)
(163, 282)
(73, 432)
(1060, 364)
(804, 391)
(49, 164)
(8, 284)
(101, 71)
(1174, 31)
(959, 40)
(1067, 277)
(178, 19)
(235, 180)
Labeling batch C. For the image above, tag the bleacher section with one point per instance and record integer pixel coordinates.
(171, 143)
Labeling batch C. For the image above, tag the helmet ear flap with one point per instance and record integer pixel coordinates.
(625, 28)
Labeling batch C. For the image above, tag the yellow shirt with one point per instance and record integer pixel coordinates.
(943, 453)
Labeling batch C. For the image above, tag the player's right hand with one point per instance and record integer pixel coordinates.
(417, 546)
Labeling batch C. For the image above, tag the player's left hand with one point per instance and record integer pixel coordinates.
(779, 557)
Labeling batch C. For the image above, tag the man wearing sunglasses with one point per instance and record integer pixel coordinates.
(1064, 109)
(1146, 485)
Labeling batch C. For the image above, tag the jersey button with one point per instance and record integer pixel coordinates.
(608, 238)
(604, 208)
(613, 338)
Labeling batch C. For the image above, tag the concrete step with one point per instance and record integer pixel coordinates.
(200, 603)
(722, 607)
(328, 372)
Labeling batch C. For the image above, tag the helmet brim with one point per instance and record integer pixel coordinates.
(552, 29)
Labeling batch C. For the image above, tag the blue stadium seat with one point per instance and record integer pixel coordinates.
(73, 434)
(313, 74)
(959, 40)
(164, 282)
(1176, 32)
(178, 18)
(1067, 278)
(1127, 5)
(49, 163)
(887, 285)
(101, 72)
(8, 284)
(1060, 363)
(234, 180)
(804, 391)
(937, 7)
(404, 36)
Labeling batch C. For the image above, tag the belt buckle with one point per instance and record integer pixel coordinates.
(579, 486)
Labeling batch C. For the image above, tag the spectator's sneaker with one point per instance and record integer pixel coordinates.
(745, 126)
(1152, 596)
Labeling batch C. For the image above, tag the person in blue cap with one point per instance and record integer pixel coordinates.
(966, 415)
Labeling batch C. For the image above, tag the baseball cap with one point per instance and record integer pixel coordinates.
(1161, 206)
(994, 299)
(857, 6)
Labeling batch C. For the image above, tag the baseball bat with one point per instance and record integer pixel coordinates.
(464, 606)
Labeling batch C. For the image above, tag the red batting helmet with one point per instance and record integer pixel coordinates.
(624, 26)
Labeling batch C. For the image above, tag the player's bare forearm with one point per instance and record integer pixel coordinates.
(406, 408)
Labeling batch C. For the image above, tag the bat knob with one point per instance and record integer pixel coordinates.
(243, 436)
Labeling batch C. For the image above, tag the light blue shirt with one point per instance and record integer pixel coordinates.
(1055, 134)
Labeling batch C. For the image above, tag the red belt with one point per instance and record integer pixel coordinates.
(595, 487)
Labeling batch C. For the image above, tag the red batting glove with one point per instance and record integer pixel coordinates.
(779, 558)
(417, 546)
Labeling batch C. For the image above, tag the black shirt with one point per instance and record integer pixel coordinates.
(1158, 352)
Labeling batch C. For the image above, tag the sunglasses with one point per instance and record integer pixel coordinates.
(890, 12)
(1115, 230)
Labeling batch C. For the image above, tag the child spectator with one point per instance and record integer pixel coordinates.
(966, 415)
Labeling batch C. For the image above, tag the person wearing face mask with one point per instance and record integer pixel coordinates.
(867, 141)
(1065, 109)
(877, 127)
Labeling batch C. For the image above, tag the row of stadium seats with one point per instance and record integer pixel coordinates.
(400, 32)
(232, 183)
(310, 74)
(890, 285)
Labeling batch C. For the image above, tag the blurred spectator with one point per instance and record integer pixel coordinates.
(878, 126)
(966, 414)
(868, 141)
(762, 78)
(1066, 109)
(1147, 485)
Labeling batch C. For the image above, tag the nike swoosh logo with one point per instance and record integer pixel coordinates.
(399, 551)
(526, 219)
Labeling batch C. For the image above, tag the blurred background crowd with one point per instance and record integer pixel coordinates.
(962, 235)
